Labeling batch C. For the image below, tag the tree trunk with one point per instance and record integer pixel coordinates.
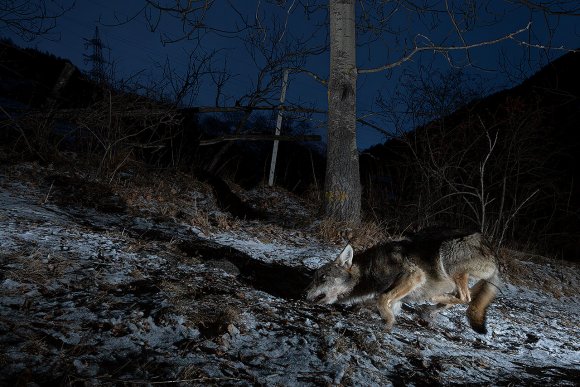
(342, 185)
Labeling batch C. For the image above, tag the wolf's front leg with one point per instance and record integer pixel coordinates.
(405, 284)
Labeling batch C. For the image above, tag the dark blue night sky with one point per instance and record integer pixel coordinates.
(134, 48)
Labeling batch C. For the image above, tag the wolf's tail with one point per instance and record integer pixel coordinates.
(483, 294)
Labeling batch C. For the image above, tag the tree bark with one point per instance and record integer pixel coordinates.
(342, 185)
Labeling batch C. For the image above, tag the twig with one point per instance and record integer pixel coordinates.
(48, 194)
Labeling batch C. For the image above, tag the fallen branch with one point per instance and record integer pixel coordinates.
(225, 109)
(257, 137)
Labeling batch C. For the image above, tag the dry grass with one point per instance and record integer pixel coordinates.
(36, 346)
(161, 194)
(175, 195)
(37, 267)
(539, 273)
(362, 236)
(279, 205)
(212, 314)
(313, 195)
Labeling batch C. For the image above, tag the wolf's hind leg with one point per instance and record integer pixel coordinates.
(463, 296)
(462, 283)
(400, 288)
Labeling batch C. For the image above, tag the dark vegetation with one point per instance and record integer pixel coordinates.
(114, 125)
(506, 164)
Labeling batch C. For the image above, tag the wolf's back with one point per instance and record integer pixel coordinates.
(468, 254)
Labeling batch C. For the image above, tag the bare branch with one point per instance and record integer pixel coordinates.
(315, 76)
(258, 137)
(556, 8)
(30, 19)
(443, 49)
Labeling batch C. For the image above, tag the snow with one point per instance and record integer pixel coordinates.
(85, 297)
(309, 256)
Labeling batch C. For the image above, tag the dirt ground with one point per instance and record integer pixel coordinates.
(148, 282)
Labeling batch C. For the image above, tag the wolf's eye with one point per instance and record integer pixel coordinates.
(323, 277)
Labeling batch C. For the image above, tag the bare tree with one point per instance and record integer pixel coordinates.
(267, 41)
(32, 18)
(342, 185)
(182, 84)
(220, 78)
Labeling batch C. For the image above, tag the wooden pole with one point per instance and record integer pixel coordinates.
(278, 127)
(63, 79)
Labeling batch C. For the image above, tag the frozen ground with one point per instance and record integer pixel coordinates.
(96, 292)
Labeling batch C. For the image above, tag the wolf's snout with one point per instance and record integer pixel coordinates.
(313, 297)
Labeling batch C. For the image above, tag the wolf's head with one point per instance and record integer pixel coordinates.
(333, 281)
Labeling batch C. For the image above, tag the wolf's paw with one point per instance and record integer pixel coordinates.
(389, 320)
(388, 316)
(388, 326)
(428, 313)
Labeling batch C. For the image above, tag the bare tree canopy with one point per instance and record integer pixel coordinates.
(32, 18)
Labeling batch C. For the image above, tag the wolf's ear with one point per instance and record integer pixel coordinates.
(345, 258)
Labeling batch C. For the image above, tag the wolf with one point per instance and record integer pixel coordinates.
(429, 266)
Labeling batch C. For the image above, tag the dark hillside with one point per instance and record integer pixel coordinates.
(28, 76)
(115, 127)
(527, 140)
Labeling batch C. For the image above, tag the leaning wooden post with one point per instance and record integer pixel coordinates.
(278, 126)
(63, 79)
